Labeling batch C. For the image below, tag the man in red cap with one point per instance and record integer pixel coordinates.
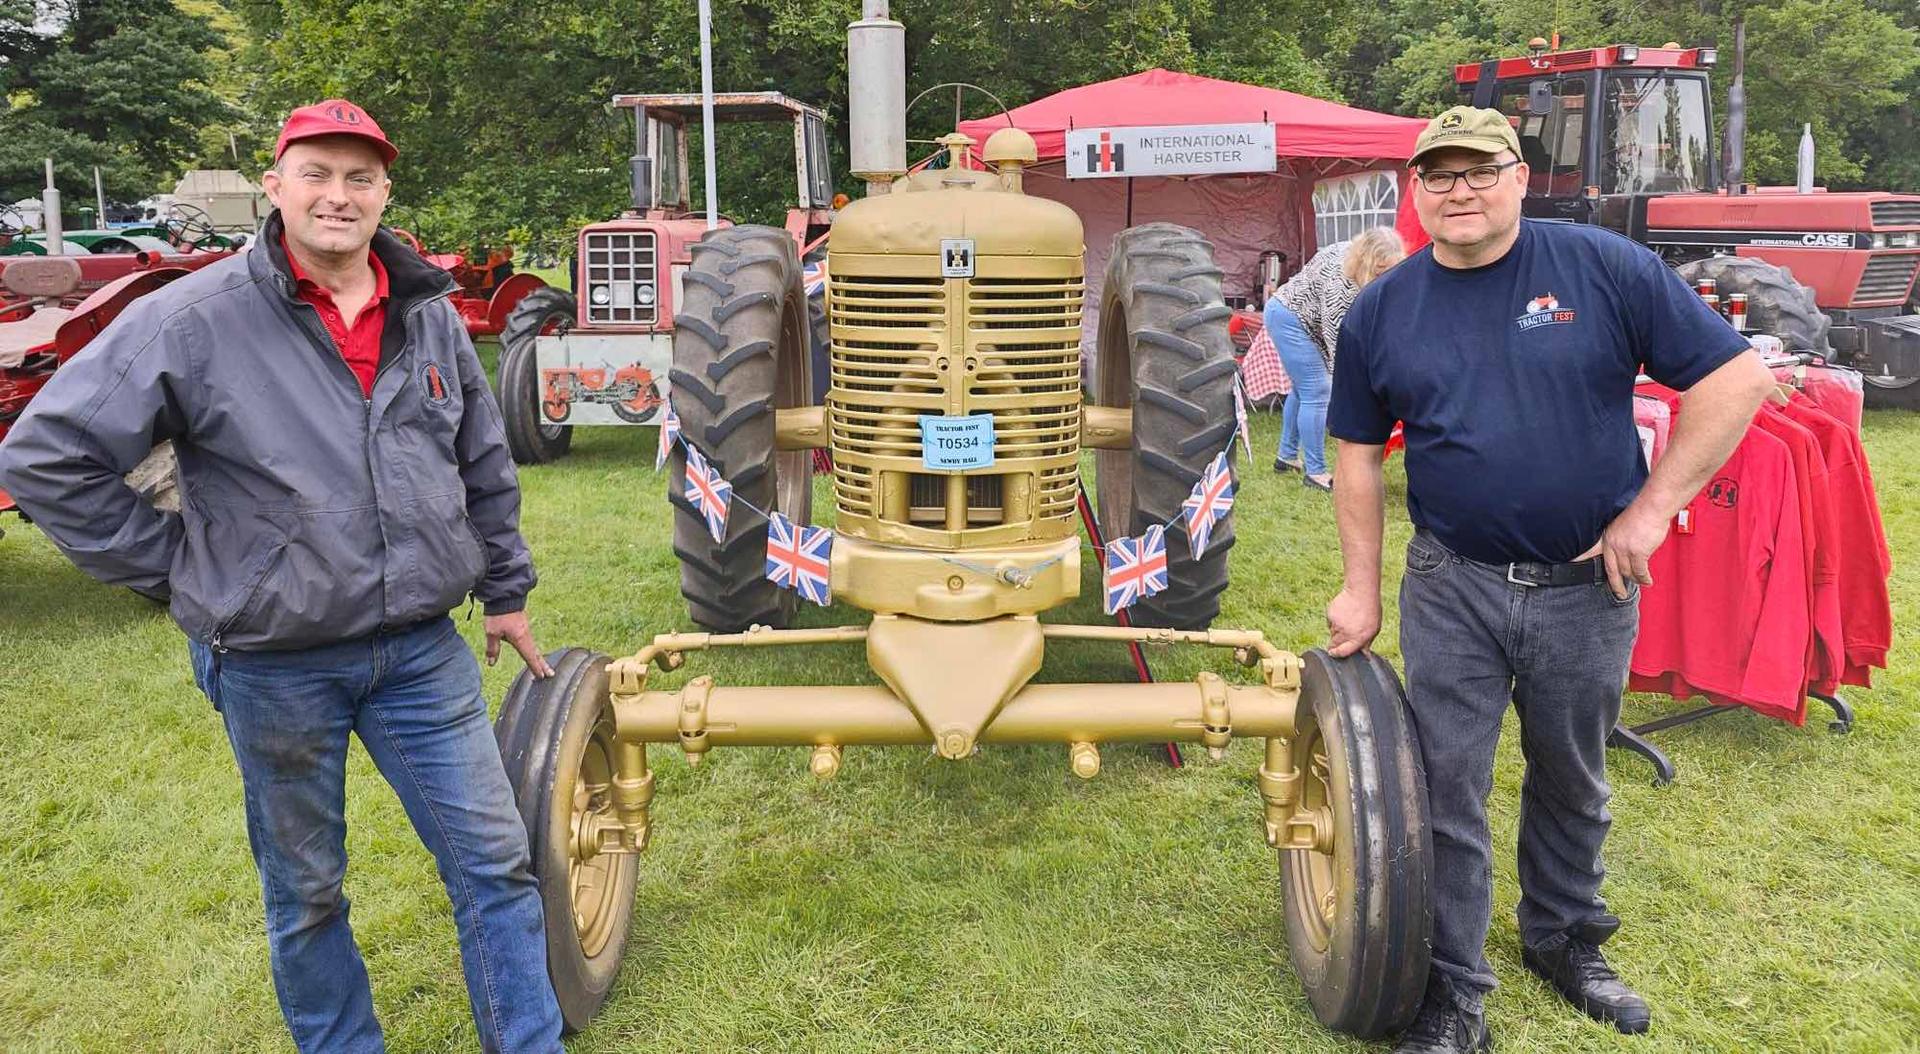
(345, 482)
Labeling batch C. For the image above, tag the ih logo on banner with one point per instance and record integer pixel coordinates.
(1104, 156)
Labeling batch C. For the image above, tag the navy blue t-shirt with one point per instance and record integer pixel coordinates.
(1515, 384)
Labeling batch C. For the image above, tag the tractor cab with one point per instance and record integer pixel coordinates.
(658, 173)
(1603, 129)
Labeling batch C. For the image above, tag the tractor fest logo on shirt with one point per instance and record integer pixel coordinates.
(1544, 310)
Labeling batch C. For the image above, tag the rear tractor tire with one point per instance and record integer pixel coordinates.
(533, 437)
(556, 738)
(1359, 915)
(1165, 352)
(740, 351)
(1776, 303)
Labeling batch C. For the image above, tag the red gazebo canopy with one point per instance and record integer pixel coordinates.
(1303, 126)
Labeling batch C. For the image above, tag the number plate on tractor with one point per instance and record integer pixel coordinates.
(948, 443)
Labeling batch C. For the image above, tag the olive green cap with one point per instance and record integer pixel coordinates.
(1469, 129)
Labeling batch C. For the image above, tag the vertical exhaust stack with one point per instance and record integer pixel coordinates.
(1803, 177)
(877, 97)
(640, 165)
(50, 214)
(1735, 155)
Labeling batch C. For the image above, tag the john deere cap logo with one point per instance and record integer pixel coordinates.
(1452, 120)
(956, 258)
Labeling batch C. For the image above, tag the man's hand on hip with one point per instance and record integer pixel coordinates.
(515, 630)
(1353, 620)
(1627, 545)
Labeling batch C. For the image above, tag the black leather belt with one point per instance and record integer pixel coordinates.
(1584, 572)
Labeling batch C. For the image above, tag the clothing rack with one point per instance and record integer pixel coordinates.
(1633, 738)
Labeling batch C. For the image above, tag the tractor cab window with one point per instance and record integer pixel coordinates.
(1550, 117)
(1657, 138)
(670, 191)
(817, 174)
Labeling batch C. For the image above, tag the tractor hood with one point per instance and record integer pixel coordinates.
(929, 207)
(1792, 216)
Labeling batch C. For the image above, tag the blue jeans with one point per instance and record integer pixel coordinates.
(413, 697)
(1303, 418)
(1474, 642)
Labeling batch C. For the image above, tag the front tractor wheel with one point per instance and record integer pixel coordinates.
(740, 351)
(1358, 907)
(556, 739)
(1164, 351)
(533, 434)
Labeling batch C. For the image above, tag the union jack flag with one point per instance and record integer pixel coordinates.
(798, 558)
(1212, 497)
(708, 493)
(1240, 421)
(813, 277)
(669, 435)
(1136, 568)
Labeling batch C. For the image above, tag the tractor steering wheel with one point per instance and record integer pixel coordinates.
(187, 226)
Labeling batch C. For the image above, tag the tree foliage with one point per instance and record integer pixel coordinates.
(122, 84)
(501, 109)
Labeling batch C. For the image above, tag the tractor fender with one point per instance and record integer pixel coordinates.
(507, 295)
(104, 304)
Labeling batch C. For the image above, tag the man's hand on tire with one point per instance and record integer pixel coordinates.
(1353, 620)
(515, 630)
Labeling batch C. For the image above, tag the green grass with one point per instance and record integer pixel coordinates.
(1772, 896)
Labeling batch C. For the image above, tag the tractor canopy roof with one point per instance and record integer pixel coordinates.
(727, 106)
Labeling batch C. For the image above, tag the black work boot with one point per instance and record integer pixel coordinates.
(1571, 962)
(1442, 1027)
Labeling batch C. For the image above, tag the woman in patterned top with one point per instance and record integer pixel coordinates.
(1303, 319)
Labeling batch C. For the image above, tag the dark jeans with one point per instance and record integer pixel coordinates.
(413, 697)
(1472, 641)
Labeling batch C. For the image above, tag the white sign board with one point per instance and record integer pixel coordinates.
(1170, 150)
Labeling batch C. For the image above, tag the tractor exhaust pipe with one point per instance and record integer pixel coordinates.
(50, 214)
(1736, 152)
(1803, 176)
(877, 97)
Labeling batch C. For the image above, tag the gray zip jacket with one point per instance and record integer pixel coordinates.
(310, 514)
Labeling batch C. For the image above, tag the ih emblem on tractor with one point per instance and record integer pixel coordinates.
(956, 258)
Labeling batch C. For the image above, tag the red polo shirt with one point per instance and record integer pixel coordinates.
(358, 341)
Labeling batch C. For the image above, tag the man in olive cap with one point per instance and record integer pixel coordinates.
(345, 482)
(1509, 349)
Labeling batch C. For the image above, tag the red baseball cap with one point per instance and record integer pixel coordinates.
(333, 117)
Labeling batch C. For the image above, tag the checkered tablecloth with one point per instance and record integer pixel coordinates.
(1261, 371)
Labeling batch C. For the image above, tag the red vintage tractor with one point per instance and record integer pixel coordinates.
(1622, 136)
(38, 334)
(487, 288)
(600, 354)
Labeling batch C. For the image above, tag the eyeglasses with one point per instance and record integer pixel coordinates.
(1479, 177)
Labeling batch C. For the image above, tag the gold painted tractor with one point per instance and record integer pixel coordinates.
(950, 294)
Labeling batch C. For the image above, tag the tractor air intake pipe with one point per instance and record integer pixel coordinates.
(640, 165)
(50, 214)
(877, 97)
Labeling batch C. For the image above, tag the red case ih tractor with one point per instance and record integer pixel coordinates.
(600, 354)
(1622, 136)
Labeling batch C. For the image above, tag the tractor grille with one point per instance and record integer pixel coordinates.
(617, 261)
(1026, 332)
(1896, 213)
(1887, 277)
(903, 347)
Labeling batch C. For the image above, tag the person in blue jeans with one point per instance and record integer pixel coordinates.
(1303, 319)
(1303, 416)
(344, 483)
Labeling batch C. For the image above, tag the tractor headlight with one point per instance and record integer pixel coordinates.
(1879, 241)
(1709, 56)
(643, 294)
(600, 295)
(1628, 53)
(1909, 240)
